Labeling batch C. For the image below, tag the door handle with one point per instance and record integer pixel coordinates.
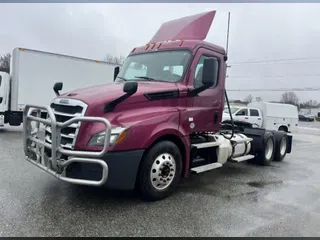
(245, 118)
(259, 118)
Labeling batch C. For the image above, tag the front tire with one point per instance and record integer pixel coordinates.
(160, 171)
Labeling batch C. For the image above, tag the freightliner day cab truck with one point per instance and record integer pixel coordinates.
(158, 122)
(32, 69)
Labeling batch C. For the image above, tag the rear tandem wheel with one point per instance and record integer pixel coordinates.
(266, 155)
(281, 145)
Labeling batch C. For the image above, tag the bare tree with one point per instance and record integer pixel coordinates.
(112, 59)
(248, 99)
(5, 61)
(310, 104)
(290, 98)
(313, 103)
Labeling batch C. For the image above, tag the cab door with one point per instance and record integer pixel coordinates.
(205, 109)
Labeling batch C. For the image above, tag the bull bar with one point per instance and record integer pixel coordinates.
(54, 165)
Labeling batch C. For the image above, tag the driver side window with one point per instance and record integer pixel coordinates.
(135, 69)
(197, 82)
(242, 112)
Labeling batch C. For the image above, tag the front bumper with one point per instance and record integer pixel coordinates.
(59, 160)
(123, 168)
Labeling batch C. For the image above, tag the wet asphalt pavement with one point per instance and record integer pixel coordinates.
(235, 200)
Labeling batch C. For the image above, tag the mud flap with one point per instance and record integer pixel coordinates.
(289, 143)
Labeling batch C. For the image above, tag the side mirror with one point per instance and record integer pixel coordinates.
(116, 72)
(130, 87)
(57, 87)
(210, 71)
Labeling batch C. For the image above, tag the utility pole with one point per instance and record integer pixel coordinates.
(228, 29)
(227, 43)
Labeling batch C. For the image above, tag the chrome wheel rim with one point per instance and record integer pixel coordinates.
(283, 146)
(269, 149)
(163, 171)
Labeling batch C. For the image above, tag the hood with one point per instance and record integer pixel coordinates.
(102, 94)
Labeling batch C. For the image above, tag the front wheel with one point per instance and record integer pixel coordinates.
(160, 171)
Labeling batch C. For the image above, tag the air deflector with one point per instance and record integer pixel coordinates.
(194, 27)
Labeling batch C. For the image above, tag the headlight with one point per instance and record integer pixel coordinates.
(117, 135)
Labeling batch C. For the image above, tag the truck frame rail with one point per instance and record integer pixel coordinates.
(55, 165)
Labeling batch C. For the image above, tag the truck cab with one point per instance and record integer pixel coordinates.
(174, 70)
(4, 96)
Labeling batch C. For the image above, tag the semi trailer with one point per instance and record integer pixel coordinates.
(32, 70)
(158, 122)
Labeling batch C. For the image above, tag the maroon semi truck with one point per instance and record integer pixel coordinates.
(159, 121)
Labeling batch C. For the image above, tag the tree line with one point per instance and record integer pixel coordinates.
(288, 98)
(5, 62)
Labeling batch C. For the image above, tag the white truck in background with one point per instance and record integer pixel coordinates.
(32, 70)
(271, 116)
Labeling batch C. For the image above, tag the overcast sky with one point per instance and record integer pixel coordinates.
(258, 32)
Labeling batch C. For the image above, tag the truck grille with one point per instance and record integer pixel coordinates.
(65, 109)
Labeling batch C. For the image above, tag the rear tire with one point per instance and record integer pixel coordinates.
(266, 155)
(281, 146)
(160, 171)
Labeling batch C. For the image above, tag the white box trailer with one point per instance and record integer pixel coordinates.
(32, 70)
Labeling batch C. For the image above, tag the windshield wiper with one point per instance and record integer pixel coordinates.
(122, 78)
(150, 79)
(144, 77)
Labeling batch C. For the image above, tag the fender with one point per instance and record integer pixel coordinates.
(184, 140)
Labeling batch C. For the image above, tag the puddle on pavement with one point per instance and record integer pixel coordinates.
(261, 184)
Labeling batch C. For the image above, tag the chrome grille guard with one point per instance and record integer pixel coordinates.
(34, 147)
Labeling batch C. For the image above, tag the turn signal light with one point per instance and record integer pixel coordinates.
(122, 136)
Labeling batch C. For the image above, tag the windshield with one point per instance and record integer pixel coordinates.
(167, 66)
(232, 109)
